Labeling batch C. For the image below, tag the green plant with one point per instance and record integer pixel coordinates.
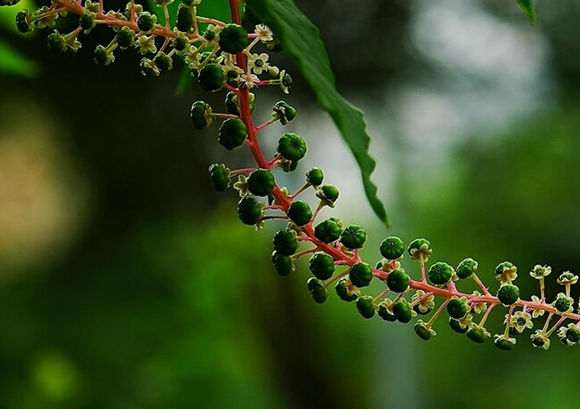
(222, 57)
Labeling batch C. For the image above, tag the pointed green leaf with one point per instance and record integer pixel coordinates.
(527, 7)
(301, 41)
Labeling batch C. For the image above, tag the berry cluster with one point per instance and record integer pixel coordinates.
(222, 57)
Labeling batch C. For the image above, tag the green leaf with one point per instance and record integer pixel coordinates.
(13, 62)
(217, 9)
(301, 41)
(527, 7)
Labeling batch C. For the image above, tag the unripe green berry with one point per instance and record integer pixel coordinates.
(232, 133)
(180, 43)
(353, 237)
(22, 21)
(283, 112)
(261, 182)
(250, 211)
(422, 331)
(317, 290)
(285, 242)
(125, 37)
(457, 308)
(563, 303)
(503, 344)
(87, 21)
(476, 334)
(211, 77)
(366, 306)
(184, 18)
(328, 194)
(508, 294)
(292, 147)
(299, 212)
(456, 326)
(315, 176)
(417, 309)
(200, 114)
(219, 175)
(163, 61)
(322, 266)
(466, 268)
(146, 22)
(346, 290)
(100, 55)
(385, 314)
(361, 274)
(283, 265)
(398, 280)
(233, 38)
(56, 42)
(392, 248)
(327, 231)
(440, 273)
(402, 311)
(420, 249)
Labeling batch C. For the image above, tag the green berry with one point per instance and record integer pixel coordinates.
(361, 274)
(346, 290)
(563, 303)
(317, 290)
(261, 182)
(163, 61)
(315, 176)
(420, 249)
(184, 18)
(232, 133)
(286, 80)
(292, 147)
(457, 327)
(402, 311)
(328, 194)
(285, 242)
(422, 331)
(353, 237)
(284, 112)
(398, 280)
(100, 55)
(322, 266)
(476, 334)
(233, 38)
(392, 248)
(385, 314)
(125, 37)
(417, 309)
(146, 22)
(22, 21)
(200, 114)
(180, 43)
(283, 265)
(508, 294)
(327, 231)
(56, 42)
(503, 344)
(457, 308)
(440, 273)
(219, 176)
(466, 268)
(366, 306)
(250, 211)
(87, 21)
(299, 212)
(211, 77)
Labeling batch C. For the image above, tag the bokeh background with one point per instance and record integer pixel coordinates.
(126, 282)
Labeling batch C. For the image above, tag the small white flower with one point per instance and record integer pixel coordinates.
(264, 33)
(537, 313)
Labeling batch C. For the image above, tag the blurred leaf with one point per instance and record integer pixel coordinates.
(527, 7)
(301, 40)
(184, 82)
(8, 14)
(13, 62)
(217, 9)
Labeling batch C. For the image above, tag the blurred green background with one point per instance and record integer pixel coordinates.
(125, 282)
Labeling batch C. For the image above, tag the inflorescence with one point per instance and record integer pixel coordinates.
(222, 57)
